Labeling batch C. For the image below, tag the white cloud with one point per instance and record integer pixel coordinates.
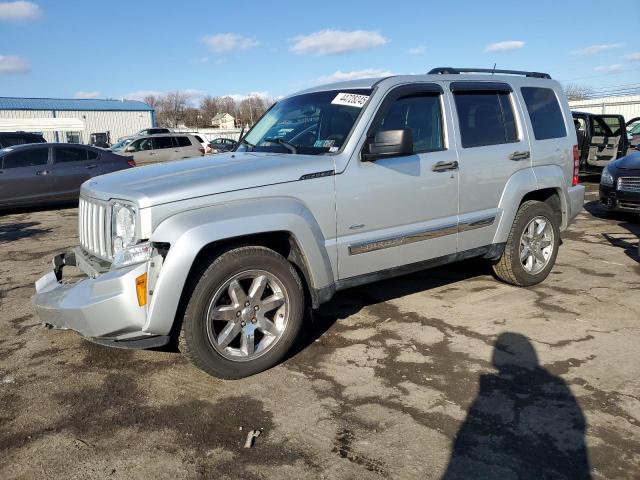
(141, 94)
(13, 64)
(420, 49)
(238, 97)
(226, 42)
(595, 49)
(609, 68)
(331, 42)
(506, 46)
(634, 57)
(339, 76)
(14, 11)
(82, 94)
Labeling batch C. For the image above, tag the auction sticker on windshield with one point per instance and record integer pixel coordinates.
(350, 99)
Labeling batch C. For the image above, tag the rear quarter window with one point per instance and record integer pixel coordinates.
(545, 113)
(183, 141)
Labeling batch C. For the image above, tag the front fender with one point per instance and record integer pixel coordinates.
(189, 232)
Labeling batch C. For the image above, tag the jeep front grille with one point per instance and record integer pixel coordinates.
(629, 184)
(93, 227)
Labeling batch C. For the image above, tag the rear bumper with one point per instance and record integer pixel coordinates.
(575, 201)
(103, 308)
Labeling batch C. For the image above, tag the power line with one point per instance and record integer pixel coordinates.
(601, 75)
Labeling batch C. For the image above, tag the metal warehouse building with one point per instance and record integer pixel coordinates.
(74, 120)
(628, 106)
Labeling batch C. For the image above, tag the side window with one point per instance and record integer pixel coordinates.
(73, 137)
(26, 158)
(599, 128)
(545, 113)
(162, 142)
(144, 144)
(614, 124)
(183, 142)
(70, 154)
(420, 113)
(485, 117)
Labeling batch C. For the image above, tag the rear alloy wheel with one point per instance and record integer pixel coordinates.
(532, 245)
(244, 313)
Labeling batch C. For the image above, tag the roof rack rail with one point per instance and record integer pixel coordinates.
(455, 71)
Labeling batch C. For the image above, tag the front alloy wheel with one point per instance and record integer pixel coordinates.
(247, 315)
(243, 313)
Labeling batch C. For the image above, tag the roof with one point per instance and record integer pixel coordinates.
(220, 116)
(80, 104)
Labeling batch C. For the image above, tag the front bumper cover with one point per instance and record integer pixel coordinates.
(103, 308)
(620, 201)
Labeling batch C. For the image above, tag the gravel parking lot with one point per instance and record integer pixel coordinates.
(443, 373)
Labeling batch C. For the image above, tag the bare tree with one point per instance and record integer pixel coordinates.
(209, 107)
(574, 91)
(171, 108)
(151, 100)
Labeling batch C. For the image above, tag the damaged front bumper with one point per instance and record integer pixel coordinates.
(103, 307)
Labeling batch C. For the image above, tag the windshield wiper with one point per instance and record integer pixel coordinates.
(289, 146)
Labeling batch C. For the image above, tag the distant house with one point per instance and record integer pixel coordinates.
(223, 120)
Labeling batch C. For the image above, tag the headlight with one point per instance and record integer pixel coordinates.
(123, 226)
(134, 254)
(606, 178)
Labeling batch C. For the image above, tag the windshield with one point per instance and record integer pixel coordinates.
(311, 124)
(122, 144)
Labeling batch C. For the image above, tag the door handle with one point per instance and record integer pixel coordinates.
(444, 166)
(520, 155)
(43, 172)
(89, 167)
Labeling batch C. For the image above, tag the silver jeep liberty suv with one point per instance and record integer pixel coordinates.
(333, 187)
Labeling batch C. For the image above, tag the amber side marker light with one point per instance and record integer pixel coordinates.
(141, 289)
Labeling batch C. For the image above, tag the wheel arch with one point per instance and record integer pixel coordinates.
(196, 237)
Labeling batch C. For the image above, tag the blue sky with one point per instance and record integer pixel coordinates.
(64, 48)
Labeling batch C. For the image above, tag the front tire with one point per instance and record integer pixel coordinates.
(532, 246)
(244, 313)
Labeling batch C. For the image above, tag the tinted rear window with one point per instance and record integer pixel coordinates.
(8, 140)
(183, 141)
(486, 118)
(70, 154)
(26, 158)
(545, 113)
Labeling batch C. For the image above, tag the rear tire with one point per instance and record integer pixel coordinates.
(244, 313)
(532, 246)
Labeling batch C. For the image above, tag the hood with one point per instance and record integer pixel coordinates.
(628, 162)
(197, 177)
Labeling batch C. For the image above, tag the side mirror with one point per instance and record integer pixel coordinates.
(130, 149)
(389, 143)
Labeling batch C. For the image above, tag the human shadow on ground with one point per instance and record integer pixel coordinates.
(524, 423)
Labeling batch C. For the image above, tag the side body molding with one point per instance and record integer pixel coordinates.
(190, 231)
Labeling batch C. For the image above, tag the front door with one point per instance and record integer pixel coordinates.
(401, 210)
(492, 146)
(25, 176)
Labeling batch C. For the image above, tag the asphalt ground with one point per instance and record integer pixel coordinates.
(447, 373)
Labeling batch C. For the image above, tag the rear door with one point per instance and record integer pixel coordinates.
(492, 146)
(165, 149)
(25, 176)
(71, 167)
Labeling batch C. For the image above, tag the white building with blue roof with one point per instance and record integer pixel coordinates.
(74, 120)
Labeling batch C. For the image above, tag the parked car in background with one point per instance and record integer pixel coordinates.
(390, 175)
(9, 139)
(162, 148)
(620, 184)
(100, 139)
(601, 139)
(153, 131)
(41, 173)
(220, 145)
(633, 132)
(122, 143)
(204, 143)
